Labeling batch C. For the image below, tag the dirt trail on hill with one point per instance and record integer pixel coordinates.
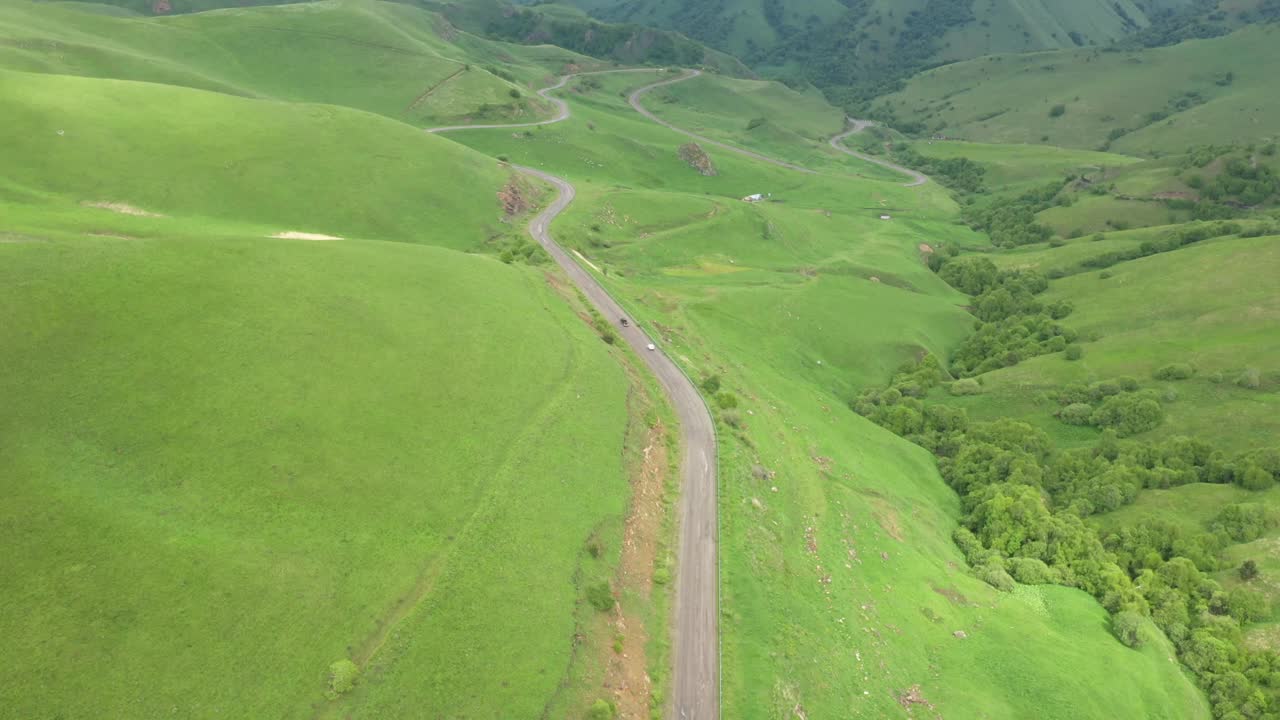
(696, 681)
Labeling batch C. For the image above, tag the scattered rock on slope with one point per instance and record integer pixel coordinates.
(513, 197)
(693, 154)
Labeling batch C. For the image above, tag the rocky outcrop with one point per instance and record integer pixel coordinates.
(697, 158)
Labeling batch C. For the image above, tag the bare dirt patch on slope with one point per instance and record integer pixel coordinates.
(295, 235)
(626, 674)
(121, 208)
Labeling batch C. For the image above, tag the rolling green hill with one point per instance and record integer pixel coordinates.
(231, 461)
(386, 58)
(263, 427)
(858, 49)
(843, 594)
(175, 151)
(1159, 101)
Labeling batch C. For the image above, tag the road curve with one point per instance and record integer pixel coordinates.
(634, 99)
(857, 126)
(696, 683)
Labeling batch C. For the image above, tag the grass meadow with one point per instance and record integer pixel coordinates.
(985, 99)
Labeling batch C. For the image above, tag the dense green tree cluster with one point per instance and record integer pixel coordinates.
(1012, 325)
(1111, 405)
(1168, 27)
(1188, 235)
(1023, 503)
(958, 173)
(841, 57)
(1012, 222)
(1242, 182)
(622, 42)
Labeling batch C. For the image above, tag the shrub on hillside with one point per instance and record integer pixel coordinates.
(1127, 627)
(965, 386)
(711, 384)
(1057, 111)
(600, 596)
(1176, 371)
(1250, 379)
(1242, 522)
(602, 710)
(994, 574)
(1128, 414)
(1253, 477)
(1032, 571)
(342, 677)
(1074, 352)
(1076, 414)
(726, 400)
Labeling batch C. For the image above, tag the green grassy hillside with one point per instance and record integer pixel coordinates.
(386, 58)
(632, 43)
(174, 151)
(856, 50)
(764, 116)
(231, 462)
(842, 589)
(1209, 305)
(1142, 102)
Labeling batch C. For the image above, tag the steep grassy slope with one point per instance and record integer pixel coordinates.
(1157, 101)
(747, 26)
(230, 461)
(569, 27)
(764, 116)
(859, 49)
(386, 58)
(172, 150)
(841, 587)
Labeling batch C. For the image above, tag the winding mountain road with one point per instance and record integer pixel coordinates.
(634, 99)
(856, 126)
(696, 694)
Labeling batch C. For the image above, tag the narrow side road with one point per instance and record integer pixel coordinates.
(696, 681)
(857, 126)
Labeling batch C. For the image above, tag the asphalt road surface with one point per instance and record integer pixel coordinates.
(857, 126)
(696, 683)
